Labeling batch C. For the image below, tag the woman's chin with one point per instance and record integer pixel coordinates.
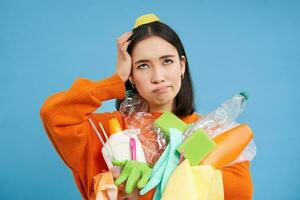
(160, 104)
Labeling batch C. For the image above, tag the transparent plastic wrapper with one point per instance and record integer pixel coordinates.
(222, 119)
(218, 119)
(133, 103)
(135, 112)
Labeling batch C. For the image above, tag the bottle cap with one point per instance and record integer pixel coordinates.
(114, 126)
(245, 95)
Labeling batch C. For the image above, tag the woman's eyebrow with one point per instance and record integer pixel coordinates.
(162, 57)
(166, 56)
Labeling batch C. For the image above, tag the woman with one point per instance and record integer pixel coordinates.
(152, 61)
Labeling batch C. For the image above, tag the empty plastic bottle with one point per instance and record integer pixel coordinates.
(222, 117)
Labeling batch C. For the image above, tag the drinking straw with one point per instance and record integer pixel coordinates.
(99, 136)
(105, 135)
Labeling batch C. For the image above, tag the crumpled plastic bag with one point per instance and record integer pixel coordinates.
(134, 109)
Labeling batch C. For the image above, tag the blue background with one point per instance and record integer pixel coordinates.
(232, 46)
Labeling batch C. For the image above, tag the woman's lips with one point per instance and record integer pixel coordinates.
(161, 90)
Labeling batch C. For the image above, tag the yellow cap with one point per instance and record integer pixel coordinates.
(114, 126)
(145, 19)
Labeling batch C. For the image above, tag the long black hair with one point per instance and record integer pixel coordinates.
(184, 101)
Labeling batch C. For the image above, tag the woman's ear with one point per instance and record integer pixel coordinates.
(131, 80)
(182, 64)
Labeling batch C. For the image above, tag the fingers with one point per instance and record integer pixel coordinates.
(132, 180)
(124, 37)
(124, 175)
(121, 179)
(144, 180)
(137, 174)
(123, 43)
(123, 51)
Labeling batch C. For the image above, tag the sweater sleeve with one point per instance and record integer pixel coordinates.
(237, 181)
(65, 115)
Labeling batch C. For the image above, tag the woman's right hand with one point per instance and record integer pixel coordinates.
(123, 58)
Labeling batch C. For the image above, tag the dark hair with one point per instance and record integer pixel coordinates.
(184, 101)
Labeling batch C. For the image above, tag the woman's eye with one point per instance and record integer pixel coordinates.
(168, 61)
(143, 66)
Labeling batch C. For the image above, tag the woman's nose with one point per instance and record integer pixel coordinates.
(157, 76)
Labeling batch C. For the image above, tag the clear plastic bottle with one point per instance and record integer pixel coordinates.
(220, 118)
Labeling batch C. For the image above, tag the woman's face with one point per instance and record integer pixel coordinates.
(156, 72)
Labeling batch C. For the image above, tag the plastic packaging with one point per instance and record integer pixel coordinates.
(229, 146)
(135, 112)
(152, 139)
(133, 103)
(120, 147)
(222, 119)
(224, 115)
(248, 153)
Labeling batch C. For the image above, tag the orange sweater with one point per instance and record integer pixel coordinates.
(65, 117)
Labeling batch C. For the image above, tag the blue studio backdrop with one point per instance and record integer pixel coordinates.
(233, 46)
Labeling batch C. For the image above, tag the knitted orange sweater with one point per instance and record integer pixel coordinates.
(65, 118)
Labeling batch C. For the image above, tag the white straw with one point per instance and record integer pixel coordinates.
(103, 131)
(99, 136)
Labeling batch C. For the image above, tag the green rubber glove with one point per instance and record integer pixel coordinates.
(136, 173)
